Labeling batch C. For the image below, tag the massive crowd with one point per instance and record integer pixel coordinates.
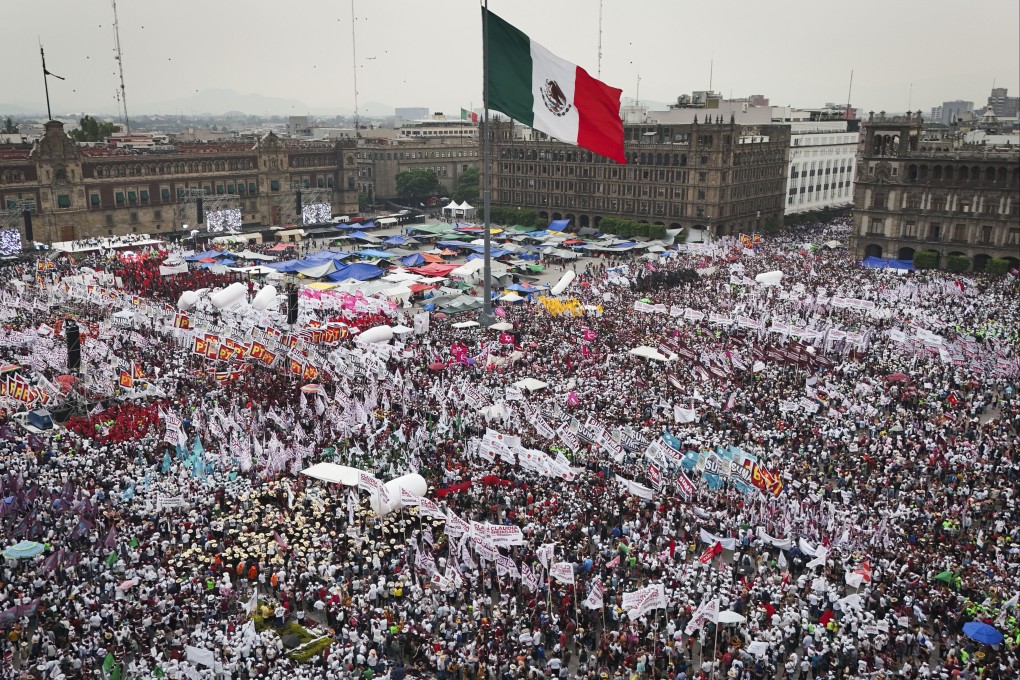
(875, 416)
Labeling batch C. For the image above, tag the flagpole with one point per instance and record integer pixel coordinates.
(486, 315)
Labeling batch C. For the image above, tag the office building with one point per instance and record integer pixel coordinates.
(711, 173)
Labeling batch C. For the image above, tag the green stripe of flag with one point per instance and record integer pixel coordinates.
(509, 70)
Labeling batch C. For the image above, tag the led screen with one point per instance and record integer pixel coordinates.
(228, 219)
(316, 213)
(10, 241)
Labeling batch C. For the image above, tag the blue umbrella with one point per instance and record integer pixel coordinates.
(25, 549)
(982, 632)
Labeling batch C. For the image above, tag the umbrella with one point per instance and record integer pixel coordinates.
(291, 641)
(23, 550)
(646, 300)
(982, 632)
(311, 389)
(128, 584)
(730, 617)
(438, 366)
(897, 377)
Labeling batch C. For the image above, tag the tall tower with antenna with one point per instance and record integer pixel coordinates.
(120, 67)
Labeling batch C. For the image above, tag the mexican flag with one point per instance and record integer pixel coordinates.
(532, 85)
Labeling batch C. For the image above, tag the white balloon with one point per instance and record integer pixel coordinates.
(564, 281)
(377, 334)
(187, 300)
(769, 278)
(265, 298)
(230, 295)
(413, 482)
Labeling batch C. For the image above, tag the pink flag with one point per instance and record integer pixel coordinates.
(572, 399)
(613, 563)
(276, 536)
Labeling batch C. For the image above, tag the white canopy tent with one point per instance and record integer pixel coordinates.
(531, 384)
(336, 474)
(647, 352)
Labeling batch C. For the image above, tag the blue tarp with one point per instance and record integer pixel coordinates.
(493, 252)
(368, 225)
(525, 288)
(558, 225)
(202, 256)
(370, 252)
(359, 271)
(454, 245)
(327, 254)
(395, 241)
(359, 235)
(414, 260)
(887, 263)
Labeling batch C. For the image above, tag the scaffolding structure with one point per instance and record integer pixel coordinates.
(286, 201)
(186, 208)
(11, 216)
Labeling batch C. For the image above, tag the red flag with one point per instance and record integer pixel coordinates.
(711, 552)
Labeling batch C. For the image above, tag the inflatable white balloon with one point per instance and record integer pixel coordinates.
(187, 300)
(414, 483)
(265, 298)
(232, 294)
(564, 281)
(377, 334)
(769, 278)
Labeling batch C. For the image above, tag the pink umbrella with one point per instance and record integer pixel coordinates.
(128, 584)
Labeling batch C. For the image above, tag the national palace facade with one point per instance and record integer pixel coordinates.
(77, 192)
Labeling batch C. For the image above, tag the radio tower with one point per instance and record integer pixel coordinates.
(120, 66)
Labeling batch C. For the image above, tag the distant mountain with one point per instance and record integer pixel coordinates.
(217, 102)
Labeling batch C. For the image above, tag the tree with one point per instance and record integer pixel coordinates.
(958, 263)
(926, 259)
(91, 130)
(9, 127)
(998, 265)
(468, 186)
(418, 184)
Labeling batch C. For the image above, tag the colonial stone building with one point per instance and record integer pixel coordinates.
(379, 161)
(941, 195)
(76, 192)
(722, 176)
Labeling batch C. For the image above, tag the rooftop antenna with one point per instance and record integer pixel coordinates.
(354, 54)
(848, 92)
(637, 91)
(120, 66)
(910, 98)
(599, 62)
(46, 82)
(711, 68)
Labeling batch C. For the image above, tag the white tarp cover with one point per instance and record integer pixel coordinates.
(319, 271)
(531, 384)
(331, 472)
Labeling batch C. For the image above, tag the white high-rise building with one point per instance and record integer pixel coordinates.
(822, 164)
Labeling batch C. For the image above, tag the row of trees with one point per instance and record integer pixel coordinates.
(929, 259)
(91, 130)
(420, 184)
(629, 228)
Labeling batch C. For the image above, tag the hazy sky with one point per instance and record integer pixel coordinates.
(428, 52)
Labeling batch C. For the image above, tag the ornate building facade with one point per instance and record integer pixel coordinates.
(942, 195)
(723, 177)
(77, 192)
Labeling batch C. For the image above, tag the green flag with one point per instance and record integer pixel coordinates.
(157, 672)
(112, 558)
(108, 662)
(115, 673)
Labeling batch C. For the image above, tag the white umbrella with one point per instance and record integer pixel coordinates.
(730, 617)
(466, 324)
(501, 326)
(647, 352)
(531, 384)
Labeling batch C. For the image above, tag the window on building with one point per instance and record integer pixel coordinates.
(132, 197)
(144, 195)
(704, 159)
(164, 194)
(109, 220)
(986, 235)
(95, 200)
(253, 188)
(960, 232)
(63, 201)
(274, 185)
(157, 214)
(119, 197)
(934, 231)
